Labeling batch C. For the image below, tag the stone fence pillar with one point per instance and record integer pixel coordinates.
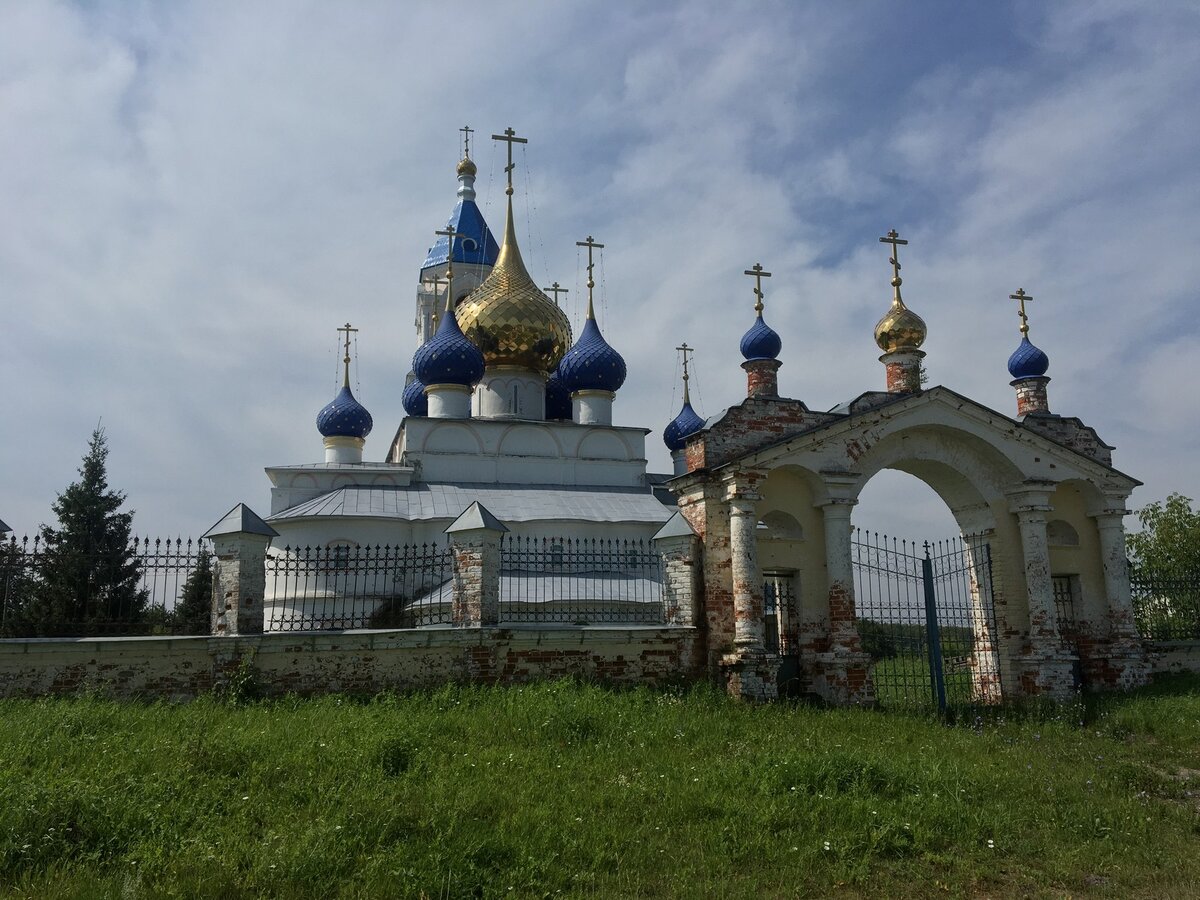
(1125, 664)
(475, 543)
(678, 546)
(240, 542)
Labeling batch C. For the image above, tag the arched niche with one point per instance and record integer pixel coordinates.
(1061, 533)
(529, 440)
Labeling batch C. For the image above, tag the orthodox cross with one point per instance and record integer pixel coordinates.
(759, 275)
(685, 350)
(893, 238)
(346, 360)
(450, 234)
(510, 138)
(1020, 296)
(591, 245)
(556, 290)
(466, 130)
(437, 281)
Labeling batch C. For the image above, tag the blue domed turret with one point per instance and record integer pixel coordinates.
(558, 398)
(414, 399)
(344, 417)
(592, 365)
(682, 427)
(1028, 361)
(448, 357)
(761, 341)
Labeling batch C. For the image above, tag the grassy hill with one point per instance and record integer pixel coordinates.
(574, 790)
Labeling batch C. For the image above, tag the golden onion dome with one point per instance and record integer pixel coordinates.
(509, 319)
(466, 167)
(900, 328)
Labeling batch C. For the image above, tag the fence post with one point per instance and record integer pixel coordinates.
(932, 634)
(475, 541)
(240, 542)
(676, 543)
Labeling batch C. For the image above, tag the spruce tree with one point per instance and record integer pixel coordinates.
(193, 611)
(89, 572)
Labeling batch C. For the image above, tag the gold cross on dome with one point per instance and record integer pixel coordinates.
(759, 275)
(449, 233)
(556, 290)
(893, 238)
(466, 130)
(684, 351)
(346, 359)
(591, 245)
(1021, 297)
(510, 138)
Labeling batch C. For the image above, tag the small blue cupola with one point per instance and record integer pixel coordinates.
(414, 399)
(592, 364)
(448, 357)
(683, 426)
(558, 399)
(1027, 361)
(344, 417)
(473, 240)
(761, 341)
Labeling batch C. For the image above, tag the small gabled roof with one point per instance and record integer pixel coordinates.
(676, 526)
(474, 244)
(4, 529)
(475, 517)
(241, 520)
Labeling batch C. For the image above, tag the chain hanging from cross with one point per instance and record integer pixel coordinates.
(893, 238)
(450, 233)
(759, 275)
(556, 290)
(346, 359)
(591, 283)
(1021, 297)
(466, 130)
(684, 350)
(510, 138)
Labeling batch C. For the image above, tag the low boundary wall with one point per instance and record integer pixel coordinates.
(345, 661)
(1173, 656)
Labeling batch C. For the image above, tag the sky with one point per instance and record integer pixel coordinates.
(194, 195)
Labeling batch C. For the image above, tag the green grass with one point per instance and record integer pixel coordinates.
(564, 789)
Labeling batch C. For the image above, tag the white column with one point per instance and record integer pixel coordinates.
(592, 407)
(449, 401)
(344, 450)
(1110, 527)
(839, 569)
(1030, 507)
(748, 627)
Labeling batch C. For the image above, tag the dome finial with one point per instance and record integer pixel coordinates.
(450, 234)
(684, 350)
(344, 423)
(1020, 296)
(556, 290)
(759, 275)
(346, 359)
(510, 138)
(893, 238)
(466, 130)
(591, 282)
(900, 328)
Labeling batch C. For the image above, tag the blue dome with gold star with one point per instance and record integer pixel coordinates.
(683, 426)
(344, 417)
(592, 365)
(761, 341)
(414, 399)
(1027, 361)
(448, 357)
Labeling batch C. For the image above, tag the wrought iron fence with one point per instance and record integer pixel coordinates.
(1166, 606)
(339, 587)
(926, 617)
(161, 586)
(580, 581)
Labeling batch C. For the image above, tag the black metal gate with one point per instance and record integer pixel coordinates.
(781, 620)
(927, 618)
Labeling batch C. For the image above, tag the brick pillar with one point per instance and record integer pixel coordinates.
(750, 672)
(240, 542)
(679, 548)
(1124, 664)
(1031, 395)
(762, 377)
(842, 675)
(903, 368)
(475, 546)
(1049, 666)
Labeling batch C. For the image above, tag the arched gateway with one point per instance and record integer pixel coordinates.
(769, 487)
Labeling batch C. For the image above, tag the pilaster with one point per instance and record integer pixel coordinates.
(475, 549)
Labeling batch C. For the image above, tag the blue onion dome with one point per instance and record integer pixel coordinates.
(448, 357)
(682, 427)
(344, 417)
(592, 365)
(558, 398)
(415, 401)
(1028, 361)
(761, 341)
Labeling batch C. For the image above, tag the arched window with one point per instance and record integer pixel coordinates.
(1061, 534)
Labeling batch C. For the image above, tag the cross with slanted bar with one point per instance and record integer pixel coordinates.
(556, 290)
(346, 360)
(450, 233)
(685, 350)
(893, 238)
(591, 245)
(466, 130)
(510, 138)
(759, 275)
(1020, 296)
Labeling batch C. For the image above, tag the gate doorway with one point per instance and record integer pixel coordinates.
(781, 618)
(927, 619)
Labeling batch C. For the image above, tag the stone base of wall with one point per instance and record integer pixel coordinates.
(1044, 675)
(751, 675)
(1173, 657)
(840, 677)
(1114, 665)
(350, 661)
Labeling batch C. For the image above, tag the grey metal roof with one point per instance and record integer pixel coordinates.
(508, 503)
(241, 520)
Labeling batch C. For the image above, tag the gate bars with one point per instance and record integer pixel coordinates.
(927, 619)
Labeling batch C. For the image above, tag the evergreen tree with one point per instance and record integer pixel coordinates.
(192, 614)
(89, 572)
